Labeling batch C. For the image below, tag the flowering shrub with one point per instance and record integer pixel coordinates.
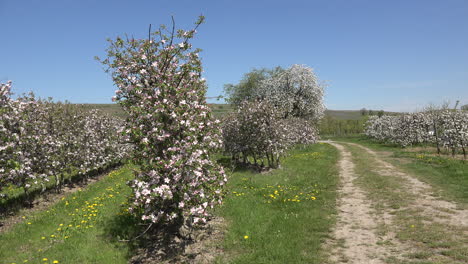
(41, 139)
(283, 110)
(161, 89)
(257, 130)
(445, 128)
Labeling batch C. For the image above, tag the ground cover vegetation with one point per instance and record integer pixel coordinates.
(84, 226)
(282, 216)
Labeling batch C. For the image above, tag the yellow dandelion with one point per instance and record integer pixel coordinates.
(246, 237)
(55, 261)
(45, 259)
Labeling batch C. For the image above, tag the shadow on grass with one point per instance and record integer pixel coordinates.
(159, 243)
(238, 166)
(11, 205)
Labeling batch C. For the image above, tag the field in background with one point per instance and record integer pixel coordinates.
(223, 109)
(334, 123)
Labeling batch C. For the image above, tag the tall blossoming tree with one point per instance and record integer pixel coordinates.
(160, 87)
(297, 91)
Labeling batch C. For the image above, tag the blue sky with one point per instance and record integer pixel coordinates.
(392, 55)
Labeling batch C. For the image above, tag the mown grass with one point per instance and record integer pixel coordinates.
(16, 198)
(81, 228)
(449, 176)
(432, 242)
(285, 215)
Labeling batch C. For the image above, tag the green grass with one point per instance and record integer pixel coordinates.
(284, 224)
(384, 191)
(448, 176)
(16, 198)
(81, 228)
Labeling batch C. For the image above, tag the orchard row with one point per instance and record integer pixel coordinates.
(443, 128)
(43, 140)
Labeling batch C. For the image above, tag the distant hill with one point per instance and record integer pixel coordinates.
(220, 110)
(111, 109)
(344, 114)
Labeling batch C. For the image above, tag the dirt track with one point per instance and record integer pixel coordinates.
(357, 238)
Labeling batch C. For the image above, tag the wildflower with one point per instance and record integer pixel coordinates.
(246, 237)
(45, 259)
(55, 261)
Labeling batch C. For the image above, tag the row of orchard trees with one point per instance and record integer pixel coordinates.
(443, 128)
(40, 139)
(275, 110)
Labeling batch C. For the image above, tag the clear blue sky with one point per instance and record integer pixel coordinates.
(394, 55)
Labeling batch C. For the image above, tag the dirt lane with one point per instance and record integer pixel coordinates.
(440, 210)
(388, 216)
(357, 225)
